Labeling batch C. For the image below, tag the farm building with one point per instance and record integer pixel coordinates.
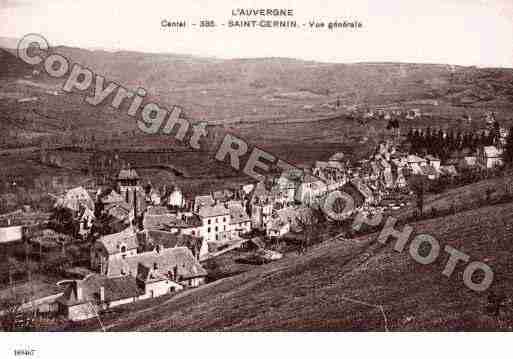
(83, 299)
(489, 157)
(176, 264)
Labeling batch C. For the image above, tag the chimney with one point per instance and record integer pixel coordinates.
(135, 204)
(175, 273)
(102, 294)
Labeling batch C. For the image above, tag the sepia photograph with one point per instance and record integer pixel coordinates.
(291, 169)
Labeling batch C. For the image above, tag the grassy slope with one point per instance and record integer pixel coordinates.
(464, 196)
(310, 292)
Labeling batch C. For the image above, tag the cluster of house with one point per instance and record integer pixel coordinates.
(159, 240)
(133, 265)
(149, 242)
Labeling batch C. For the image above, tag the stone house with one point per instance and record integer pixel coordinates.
(114, 246)
(489, 157)
(84, 299)
(215, 222)
(177, 265)
(239, 219)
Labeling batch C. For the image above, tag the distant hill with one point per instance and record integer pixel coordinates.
(11, 66)
(8, 42)
(235, 91)
(244, 86)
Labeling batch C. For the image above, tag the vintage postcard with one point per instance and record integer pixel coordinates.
(255, 166)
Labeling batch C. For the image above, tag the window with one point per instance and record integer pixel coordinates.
(209, 222)
(123, 249)
(217, 229)
(208, 230)
(224, 219)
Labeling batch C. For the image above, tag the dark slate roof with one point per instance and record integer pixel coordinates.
(157, 221)
(223, 195)
(110, 196)
(112, 242)
(201, 201)
(237, 213)
(121, 288)
(115, 289)
(214, 211)
(166, 260)
(157, 210)
(171, 240)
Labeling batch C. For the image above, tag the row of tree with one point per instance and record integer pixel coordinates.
(442, 144)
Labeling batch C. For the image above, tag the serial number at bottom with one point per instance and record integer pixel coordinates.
(24, 352)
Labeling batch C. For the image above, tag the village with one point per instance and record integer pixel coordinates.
(125, 240)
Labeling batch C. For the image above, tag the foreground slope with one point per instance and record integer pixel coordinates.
(335, 286)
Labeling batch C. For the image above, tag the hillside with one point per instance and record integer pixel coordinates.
(322, 290)
(11, 66)
(264, 89)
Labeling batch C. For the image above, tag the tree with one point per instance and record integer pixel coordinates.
(488, 194)
(309, 221)
(418, 186)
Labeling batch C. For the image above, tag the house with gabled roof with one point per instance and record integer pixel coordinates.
(215, 222)
(222, 196)
(415, 162)
(76, 198)
(489, 157)
(84, 299)
(277, 228)
(434, 162)
(157, 219)
(202, 201)
(108, 196)
(128, 177)
(153, 238)
(177, 264)
(430, 172)
(239, 220)
(113, 246)
(155, 283)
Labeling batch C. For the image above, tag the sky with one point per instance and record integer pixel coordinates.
(459, 32)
